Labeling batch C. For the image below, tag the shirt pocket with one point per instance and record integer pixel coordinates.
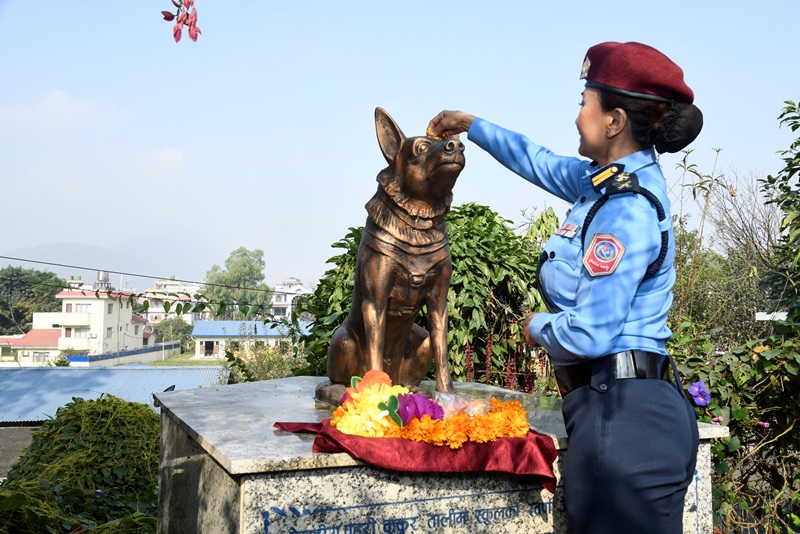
(562, 270)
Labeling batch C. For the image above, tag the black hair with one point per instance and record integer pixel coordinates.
(670, 127)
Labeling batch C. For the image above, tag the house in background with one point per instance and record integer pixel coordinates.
(211, 337)
(37, 346)
(285, 296)
(174, 292)
(94, 322)
(7, 347)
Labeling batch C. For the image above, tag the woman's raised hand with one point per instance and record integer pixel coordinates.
(448, 123)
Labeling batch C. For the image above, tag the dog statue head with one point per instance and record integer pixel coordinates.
(422, 170)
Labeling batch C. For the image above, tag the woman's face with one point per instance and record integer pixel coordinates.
(592, 123)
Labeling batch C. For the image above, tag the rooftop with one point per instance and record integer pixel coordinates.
(33, 394)
(237, 329)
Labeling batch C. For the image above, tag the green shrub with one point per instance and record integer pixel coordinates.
(94, 467)
(257, 362)
(754, 390)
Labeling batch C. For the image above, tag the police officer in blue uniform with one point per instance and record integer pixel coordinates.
(606, 277)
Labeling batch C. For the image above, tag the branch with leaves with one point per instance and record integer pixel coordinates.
(185, 15)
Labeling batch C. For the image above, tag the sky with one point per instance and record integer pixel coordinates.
(122, 150)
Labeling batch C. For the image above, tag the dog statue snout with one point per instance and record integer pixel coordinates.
(453, 145)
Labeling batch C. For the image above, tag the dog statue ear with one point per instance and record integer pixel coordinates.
(390, 136)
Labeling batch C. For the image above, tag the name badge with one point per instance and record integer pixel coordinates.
(568, 230)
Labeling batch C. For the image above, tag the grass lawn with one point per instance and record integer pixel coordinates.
(186, 360)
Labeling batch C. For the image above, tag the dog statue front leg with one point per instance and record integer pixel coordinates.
(437, 318)
(374, 314)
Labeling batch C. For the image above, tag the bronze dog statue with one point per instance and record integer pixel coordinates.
(403, 264)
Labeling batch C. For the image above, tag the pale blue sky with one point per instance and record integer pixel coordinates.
(161, 158)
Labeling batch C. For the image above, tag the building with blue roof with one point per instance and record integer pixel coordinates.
(211, 337)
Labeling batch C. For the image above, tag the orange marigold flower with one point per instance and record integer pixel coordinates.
(361, 416)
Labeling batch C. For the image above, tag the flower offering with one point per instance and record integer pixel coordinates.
(373, 407)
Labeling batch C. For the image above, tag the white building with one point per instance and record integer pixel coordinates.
(92, 322)
(174, 292)
(211, 337)
(285, 296)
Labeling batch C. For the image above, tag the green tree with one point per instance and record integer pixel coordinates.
(715, 290)
(783, 190)
(238, 288)
(752, 386)
(175, 329)
(719, 286)
(23, 292)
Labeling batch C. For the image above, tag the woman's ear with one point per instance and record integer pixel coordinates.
(618, 119)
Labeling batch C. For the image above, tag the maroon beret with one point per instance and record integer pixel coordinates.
(635, 69)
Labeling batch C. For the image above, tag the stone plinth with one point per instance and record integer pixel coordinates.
(224, 468)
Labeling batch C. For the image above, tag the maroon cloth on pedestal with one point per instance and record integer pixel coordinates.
(532, 455)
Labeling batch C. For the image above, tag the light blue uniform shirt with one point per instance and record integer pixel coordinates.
(601, 314)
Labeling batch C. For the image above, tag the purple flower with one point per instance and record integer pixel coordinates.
(416, 405)
(698, 392)
(764, 424)
(717, 420)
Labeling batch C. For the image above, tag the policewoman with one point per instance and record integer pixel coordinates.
(606, 277)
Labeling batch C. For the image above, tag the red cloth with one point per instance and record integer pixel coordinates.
(532, 455)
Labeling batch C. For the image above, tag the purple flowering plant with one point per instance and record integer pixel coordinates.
(698, 392)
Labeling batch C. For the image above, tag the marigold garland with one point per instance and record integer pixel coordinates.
(361, 415)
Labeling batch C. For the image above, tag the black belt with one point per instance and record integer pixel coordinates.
(628, 364)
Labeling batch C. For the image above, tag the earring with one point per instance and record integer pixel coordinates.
(608, 131)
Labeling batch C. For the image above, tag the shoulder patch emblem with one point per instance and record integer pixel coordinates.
(603, 255)
(624, 182)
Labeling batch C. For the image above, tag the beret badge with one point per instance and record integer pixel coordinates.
(585, 68)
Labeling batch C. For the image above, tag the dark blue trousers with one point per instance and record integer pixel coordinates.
(631, 455)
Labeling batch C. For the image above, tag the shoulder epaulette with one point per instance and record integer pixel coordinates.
(600, 177)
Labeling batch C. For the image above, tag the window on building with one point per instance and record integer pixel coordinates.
(68, 332)
(136, 330)
(68, 307)
(40, 356)
(109, 332)
(80, 333)
(110, 308)
(82, 308)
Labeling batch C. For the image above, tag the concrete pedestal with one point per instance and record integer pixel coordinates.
(224, 468)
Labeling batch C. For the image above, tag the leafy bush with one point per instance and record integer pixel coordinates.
(257, 362)
(93, 467)
(783, 190)
(753, 390)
